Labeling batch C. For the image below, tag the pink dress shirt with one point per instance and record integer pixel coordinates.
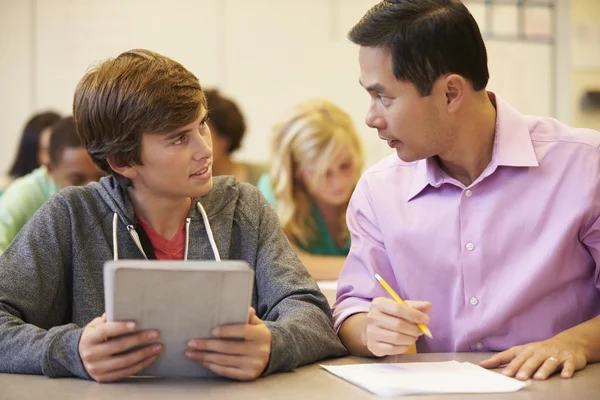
(510, 259)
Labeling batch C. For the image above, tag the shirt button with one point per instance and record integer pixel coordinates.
(473, 301)
(470, 246)
(469, 193)
(479, 346)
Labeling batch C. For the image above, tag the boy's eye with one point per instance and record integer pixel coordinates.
(180, 139)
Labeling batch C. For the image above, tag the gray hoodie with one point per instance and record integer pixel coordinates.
(51, 282)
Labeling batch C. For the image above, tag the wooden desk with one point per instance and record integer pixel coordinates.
(310, 382)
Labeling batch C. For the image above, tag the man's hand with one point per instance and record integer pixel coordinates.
(101, 346)
(391, 327)
(540, 359)
(244, 359)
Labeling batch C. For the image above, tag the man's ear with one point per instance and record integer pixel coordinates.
(455, 87)
(121, 167)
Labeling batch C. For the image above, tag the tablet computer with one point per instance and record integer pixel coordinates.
(183, 300)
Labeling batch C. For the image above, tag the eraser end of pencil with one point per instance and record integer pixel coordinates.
(377, 277)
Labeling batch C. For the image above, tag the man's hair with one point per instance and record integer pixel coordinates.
(226, 117)
(426, 39)
(138, 92)
(64, 135)
(26, 159)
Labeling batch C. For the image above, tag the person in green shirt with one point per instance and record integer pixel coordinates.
(69, 165)
(316, 162)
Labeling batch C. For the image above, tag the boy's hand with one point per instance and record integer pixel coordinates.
(391, 327)
(100, 349)
(242, 360)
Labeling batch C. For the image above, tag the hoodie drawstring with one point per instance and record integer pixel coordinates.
(115, 244)
(136, 238)
(211, 238)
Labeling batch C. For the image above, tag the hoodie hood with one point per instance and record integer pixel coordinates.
(116, 198)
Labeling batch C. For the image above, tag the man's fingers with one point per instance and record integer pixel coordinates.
(499, 359)
(394, 338)
(533, 363)
(391, 323)
(568, 369)
(393, 308)
(548, 367)
(515, 365)
(381, 349)
(128, 371)
(423, 306)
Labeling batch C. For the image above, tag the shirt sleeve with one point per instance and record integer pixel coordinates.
(18, 203)
(357, 285)
(590, 234)
(35, 298)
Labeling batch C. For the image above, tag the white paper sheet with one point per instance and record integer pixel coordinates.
(404, 379)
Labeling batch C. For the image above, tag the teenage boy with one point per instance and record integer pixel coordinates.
(143, 117)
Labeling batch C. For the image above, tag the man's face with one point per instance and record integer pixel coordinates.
(177, 164)
(412, 125)
(75, 168)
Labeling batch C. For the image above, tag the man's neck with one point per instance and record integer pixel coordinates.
(474, 144)
(164, 215)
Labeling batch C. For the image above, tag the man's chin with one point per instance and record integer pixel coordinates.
(407, 157)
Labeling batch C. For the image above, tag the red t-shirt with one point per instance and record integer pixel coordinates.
(165, 249)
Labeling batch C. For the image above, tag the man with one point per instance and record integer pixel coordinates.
(143, 117)
(69, 165)
(486, 217)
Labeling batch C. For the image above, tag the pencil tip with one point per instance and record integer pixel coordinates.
(377, 277)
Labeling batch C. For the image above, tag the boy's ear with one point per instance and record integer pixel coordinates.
(121, 167)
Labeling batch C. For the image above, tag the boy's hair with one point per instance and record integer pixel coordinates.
(26, 159)
(314, 134)
(138, 92)
(226, 117)
(64, 135)
(426, 39)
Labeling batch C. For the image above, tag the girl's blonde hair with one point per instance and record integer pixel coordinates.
(314, 134)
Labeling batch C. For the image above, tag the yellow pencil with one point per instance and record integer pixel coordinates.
(389, 289)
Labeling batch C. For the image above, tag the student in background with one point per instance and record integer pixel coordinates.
(317, 159)
(487, 219)
(143, 117)
(68, 165)
(227, 127)
(33, 148)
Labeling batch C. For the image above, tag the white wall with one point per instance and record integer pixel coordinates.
(16, 71)
(267, 54)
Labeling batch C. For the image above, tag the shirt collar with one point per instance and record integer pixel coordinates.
(512, 148)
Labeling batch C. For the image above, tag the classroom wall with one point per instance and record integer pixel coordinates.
(267, 54)
(584, 13)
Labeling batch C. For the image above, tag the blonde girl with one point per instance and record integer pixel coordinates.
(316, 162)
